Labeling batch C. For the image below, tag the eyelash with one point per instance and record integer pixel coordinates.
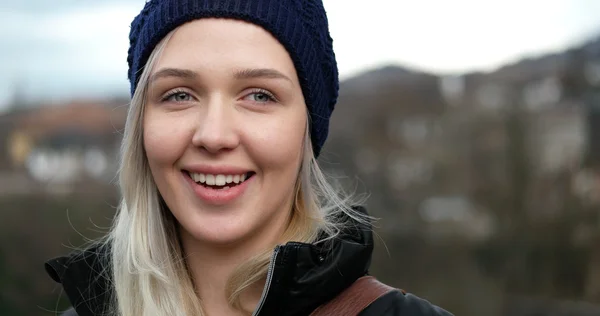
(175, 92)
(265, 92)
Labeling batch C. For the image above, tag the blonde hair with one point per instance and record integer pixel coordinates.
(147, 263)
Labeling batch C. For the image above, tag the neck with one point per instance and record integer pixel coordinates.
(212, 266)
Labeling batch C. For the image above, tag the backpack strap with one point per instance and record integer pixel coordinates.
(355, 298)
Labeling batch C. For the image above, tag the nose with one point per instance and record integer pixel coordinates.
(216, 130)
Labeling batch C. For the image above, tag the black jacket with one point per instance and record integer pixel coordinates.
(302, 277)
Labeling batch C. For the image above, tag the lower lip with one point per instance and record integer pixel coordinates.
(218, 196)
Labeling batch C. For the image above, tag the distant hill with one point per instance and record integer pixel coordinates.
(396, 90)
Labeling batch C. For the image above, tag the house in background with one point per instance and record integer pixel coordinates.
(64, 143)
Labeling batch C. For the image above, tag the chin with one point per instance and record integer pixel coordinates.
(220, 233)
(231, 226)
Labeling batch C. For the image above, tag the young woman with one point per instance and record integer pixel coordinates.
(224, 208)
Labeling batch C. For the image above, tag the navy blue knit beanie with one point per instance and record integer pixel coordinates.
(300, 26)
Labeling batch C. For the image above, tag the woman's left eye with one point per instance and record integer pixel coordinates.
(260, 96)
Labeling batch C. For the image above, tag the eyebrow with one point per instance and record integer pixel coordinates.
(260, 73)
(173, 72)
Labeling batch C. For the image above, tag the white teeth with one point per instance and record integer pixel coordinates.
(210, 179)
(218, 179)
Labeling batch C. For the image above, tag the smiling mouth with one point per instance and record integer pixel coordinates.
(219, 181)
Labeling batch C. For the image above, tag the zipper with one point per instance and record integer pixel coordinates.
(263, 297)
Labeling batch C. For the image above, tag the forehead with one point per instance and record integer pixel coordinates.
(219, 44)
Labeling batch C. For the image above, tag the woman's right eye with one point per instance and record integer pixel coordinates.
(177, 96)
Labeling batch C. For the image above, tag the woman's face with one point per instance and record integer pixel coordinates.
(224, 126)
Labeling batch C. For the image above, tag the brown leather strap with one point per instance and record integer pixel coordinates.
(354, 299)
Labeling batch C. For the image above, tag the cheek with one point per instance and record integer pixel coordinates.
(164, 141)
(280, 141)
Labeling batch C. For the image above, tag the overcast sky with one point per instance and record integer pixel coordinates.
(54, 49)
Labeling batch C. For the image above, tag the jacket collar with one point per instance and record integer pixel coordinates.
(303, 276)
(85, 279)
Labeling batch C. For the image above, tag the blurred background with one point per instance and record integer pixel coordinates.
(472, 125)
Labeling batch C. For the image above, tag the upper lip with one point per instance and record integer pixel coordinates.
(225, 170)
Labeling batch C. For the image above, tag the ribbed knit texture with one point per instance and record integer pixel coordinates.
(300, 25)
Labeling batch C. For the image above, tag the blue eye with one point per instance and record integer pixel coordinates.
(261, 96)
(177, 96)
